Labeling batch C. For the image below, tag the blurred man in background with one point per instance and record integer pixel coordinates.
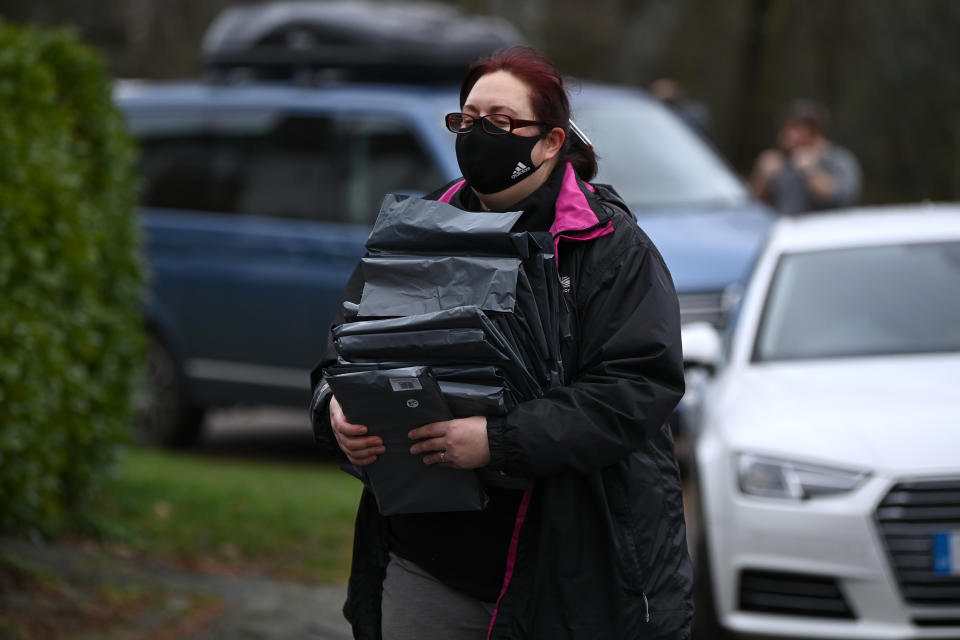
(807, 172)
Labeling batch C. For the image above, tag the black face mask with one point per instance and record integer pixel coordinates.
(491, 163)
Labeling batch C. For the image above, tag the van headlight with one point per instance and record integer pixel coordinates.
(773, 478)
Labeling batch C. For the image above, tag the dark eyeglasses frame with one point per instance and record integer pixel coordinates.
(487, 124)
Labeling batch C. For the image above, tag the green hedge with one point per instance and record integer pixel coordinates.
(70, 277)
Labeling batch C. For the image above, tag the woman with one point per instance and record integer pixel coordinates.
(595, 548)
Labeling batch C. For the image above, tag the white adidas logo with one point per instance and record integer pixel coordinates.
(519, 170)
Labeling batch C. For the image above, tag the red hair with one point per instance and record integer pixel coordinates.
(548, 97)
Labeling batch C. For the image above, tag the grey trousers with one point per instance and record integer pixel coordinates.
(416, 606)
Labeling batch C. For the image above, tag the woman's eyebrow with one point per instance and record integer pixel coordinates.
(497, 108)
(500, 108)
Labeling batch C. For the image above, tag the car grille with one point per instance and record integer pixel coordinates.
(909, 517)
(792, 594)
(702, 307)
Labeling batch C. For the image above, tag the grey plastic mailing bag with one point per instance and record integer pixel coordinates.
(467, 245)
(406, 224)
(443, 340)
(390, 402)
(461, 295)
(475, 391)
(410, 285)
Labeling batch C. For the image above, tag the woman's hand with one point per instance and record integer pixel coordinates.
(460, 443)
(360, 448)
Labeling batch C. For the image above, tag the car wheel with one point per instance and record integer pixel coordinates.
(706, 622)
(165, 416)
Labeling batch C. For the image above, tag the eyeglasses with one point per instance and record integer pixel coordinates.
(497, 124)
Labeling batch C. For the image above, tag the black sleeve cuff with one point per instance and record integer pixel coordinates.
(320, 416)
(496, 426)
(501, 471)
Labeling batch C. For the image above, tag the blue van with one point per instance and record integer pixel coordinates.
(257, 200)
(260, 185)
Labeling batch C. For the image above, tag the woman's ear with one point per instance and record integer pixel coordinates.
(552, 143)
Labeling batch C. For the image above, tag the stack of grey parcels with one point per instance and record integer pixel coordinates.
(459, 316)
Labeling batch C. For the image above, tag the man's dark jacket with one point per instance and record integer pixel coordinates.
(600, 551)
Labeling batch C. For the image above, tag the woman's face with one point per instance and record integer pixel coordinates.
(503, 92)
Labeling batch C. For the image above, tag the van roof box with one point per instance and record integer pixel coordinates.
(382, 41)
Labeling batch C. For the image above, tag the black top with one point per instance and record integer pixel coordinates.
(468, 550)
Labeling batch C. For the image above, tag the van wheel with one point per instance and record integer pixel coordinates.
(165, 416)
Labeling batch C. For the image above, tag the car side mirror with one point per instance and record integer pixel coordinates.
(701, 345)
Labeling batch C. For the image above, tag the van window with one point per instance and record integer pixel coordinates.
(333, 169)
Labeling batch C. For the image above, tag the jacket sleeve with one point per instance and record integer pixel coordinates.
(629, 380)
(321, 393)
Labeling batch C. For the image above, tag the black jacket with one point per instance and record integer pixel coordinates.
(599, 549)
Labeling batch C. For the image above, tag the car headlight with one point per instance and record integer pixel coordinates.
(773, 478)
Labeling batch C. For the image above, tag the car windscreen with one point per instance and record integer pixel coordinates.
(651, 157)
(878, 300)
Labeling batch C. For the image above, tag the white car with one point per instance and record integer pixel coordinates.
(827, 463)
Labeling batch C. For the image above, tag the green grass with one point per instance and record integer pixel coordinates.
(292, 520)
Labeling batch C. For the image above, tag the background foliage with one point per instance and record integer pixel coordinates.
(886, 68)
(70, 278)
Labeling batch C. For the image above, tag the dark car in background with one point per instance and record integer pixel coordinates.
(259, 189)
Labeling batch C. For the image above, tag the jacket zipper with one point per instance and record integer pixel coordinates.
(646, 607)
